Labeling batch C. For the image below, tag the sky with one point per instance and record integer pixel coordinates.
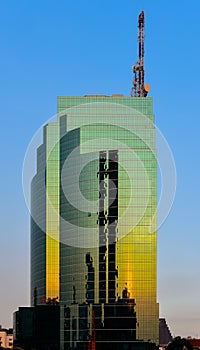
(52, 48)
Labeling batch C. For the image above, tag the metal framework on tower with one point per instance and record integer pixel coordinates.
(139, 88)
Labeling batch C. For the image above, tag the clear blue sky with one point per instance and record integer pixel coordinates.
(51, 48)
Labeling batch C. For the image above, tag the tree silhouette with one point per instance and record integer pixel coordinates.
(179, 343)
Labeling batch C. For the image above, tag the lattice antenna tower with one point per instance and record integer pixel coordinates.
(139, 88)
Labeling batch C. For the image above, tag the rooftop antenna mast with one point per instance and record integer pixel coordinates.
(139, 88)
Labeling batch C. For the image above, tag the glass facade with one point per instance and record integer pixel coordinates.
(96, 191)
(38, 227)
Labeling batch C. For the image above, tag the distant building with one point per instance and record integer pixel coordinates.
(37, 327)
(165, 336)
(6, 338)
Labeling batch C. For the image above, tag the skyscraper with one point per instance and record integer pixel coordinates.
(93, 218)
